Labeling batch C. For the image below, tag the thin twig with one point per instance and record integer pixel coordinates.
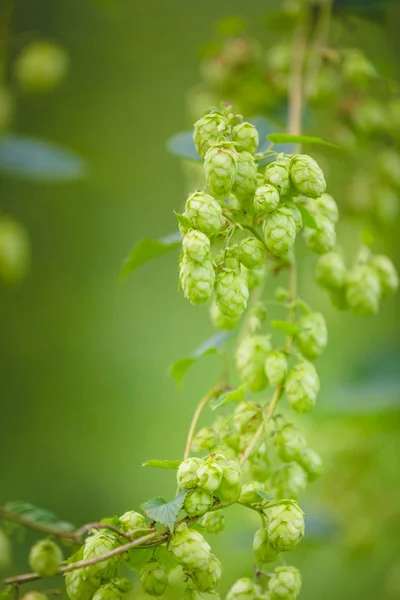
(296, 78)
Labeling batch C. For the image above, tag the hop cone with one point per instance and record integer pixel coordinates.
(330, 270)
(113, 590)
(190, 549)
(326, 206)
(302, 387)
(312, 464)
(250, 493)
(259, 463)
(230, 489)
(285, 584)
(220, 168)
(45, 558)
(210, 474)
(205, 439)
(196, 245)
(197, 280)
(306, 176)
(206, 580)
(291, 443)
(262, 548)
(198, 502)
(387, 274)
(250, 359)
(313, 338)
(247, 136)
(323, 239)
(243, 589)
(363, 290)
(81, 584)
(187, 473)
(266, 199)
(288, 482)
(277, 174)
(204, 212)
(221, 321)
(285, 526)
(193, 594)
(207, 130)
(154, 578)
(214, 522)
(41, 66)
(280, 232)
(132, 520)
(253, 277)
(252, 253)
(246, 179)
(276, 367)
(14, 252)
(98, 544)
(231, 293)
(247, 417)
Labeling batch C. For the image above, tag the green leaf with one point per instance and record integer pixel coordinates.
(286, 327)
(38, 160)
(138, 557)
(162, 464)
(284, 138)
(183, 220)
(182, 145)
(264, 495)
(165, 558)
(367, 238)
(147, 249)
(161, 511)
(308, 218)
(75, 557)
(236, 395)
(41, 516)
(7, 592)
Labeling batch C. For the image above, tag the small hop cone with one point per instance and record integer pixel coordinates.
(313, 338)
(196, 245)
(245, 180)
(250, 493)
(208, 130)
(113, 590)
(291, 443)
(266, 199)
(302, 387)
(204, 212)
(231, 485)
(231, 293)
(285, 584)
(187, 477)
(247, 136)
(277, 174)
(387, 274)
(243, 589)
(221, 321)
(207, 579)
(190, 549)
(81, 584)
(214, 522)
(312, 464)
(288, 482)
(323, 239)
(98, 544)
(326, 206)
(280, 232)
(231, 258)
(260, 463)
(210, 474)
(285, 526)
(205, 439)
(330, 270)
(250, 359)
(306, 176)
(247, 417)
(276, 367)
(154, 578)
(252, 253)
(132, 520)
(253, 277)
(197, 280)
(220, 168)
(198, 502)
(262, 548)
(363, 290)
(14, 252)
(45, 558)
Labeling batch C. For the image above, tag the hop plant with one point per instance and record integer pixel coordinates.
(207, 579)
(252, 253)
(245, 179)
(322, 239)
(230, 489)
(190, 549)
(262, 548)
(326, 206)
(302, 387)
(231, 293)
(220, 169)
(187, 477)
(154, 578)
(363, 290)
(285, 584)
(113, 590)
(250, 492)
(250, 359)
(253, 277)
(330, 270)
(205, 439)
(243, 589)
(312, 464)
(196, 246)
(214, 522)
(95, 546)
(277, 175)
(266, 199)
(45, 558)
(279, 232)
(221, 321)
(193, 594)
(198, 502)
(291, 443)
(132, 520)
(306, 176)
(388, 276)
(288, 481)
(246, 135)
(276, 367)
(313, 338)
(208, 130)
(210, 474)
(285, 525)
(260, 463)
(197, 280)
(204, 212)
(81, 584)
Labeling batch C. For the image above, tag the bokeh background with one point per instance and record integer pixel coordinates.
(86, 396)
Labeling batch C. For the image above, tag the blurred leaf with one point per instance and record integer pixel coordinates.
(367, 238)
(286, 327)
(161, 511)
(226, 397)
(165, 558)
(162, 464)
(264, 495)
(137, 558)
(38, 160)
(31, 513)
(284, 138)
(308, 218)
(183, 220)
(75, 557)
(7, 592)
(111, 521)
(231, 26)
(146, 249)
(182, 144)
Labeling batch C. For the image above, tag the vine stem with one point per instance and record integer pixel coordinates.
(296, 78)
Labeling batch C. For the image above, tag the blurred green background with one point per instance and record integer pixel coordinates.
(86, 395)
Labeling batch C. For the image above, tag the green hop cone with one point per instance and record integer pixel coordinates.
(198, 502)
(250, 359)
(205, 439)
(313, 338)
(154, 578)
(196, 245)
(323, 239)
(231, 484)
(247, 417)
(363, 290)
(221, 321)
(279, 232)
(338, 298)
(312, 464)
(387, 274)
(210, 474)
(285, 525)
(289, 481)
(204, 212)
(190, 549)
(277, 174)
(250, 492)
(326, 206)
(206, 580)
(276, 367)
(186, 476)
(81, 584)
(228, 433)
(306, 176)
(220, 168)
(41, 66)
(243, 589)
(252, 253)
(247, 136)
(253, 277)
(262, 548)
(132, 520)
(285, 584)
(231, 293)
(291, 443)
(45, 558)
(113, 590)
(193, 594)
(197, 280)
(14, 252)
(231, 258)
(208, 130)
(330, 270)
(302, 387)
(245, 180)
(260, 463)
(266, 199)
(96, 545)
(214, 522)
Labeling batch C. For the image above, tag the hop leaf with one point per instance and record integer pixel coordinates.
(165, 512)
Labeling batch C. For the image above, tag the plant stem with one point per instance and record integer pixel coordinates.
(296, 77)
